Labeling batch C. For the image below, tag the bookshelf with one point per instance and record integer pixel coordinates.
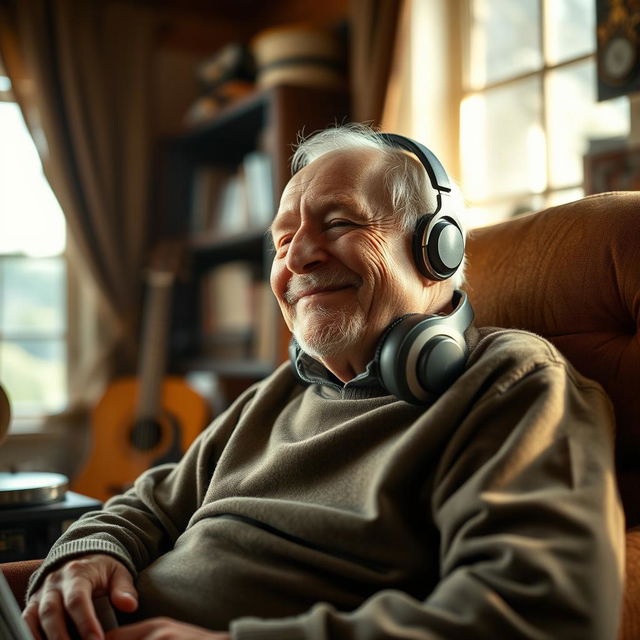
(225, 320)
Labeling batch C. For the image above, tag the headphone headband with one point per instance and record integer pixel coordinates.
(438, 238)
(437, 174)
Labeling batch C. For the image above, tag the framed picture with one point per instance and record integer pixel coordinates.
(612, 170)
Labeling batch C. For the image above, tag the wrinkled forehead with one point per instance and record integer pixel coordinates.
(358, 173)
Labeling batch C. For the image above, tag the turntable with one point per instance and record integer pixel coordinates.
(35, 507)
(35, 510)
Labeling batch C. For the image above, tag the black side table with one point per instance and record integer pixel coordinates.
(27, 532)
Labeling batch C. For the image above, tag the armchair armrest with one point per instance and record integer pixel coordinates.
(630, 626)
(17, 575)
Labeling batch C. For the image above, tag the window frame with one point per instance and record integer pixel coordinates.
(544, 197)
(22, 423)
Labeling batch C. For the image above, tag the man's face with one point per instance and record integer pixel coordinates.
(343, 269)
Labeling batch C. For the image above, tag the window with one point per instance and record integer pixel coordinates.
(33, 319)
(529, 112)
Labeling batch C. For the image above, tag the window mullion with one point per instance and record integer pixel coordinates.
(544, 43)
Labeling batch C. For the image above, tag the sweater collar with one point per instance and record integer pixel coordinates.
(311, 371)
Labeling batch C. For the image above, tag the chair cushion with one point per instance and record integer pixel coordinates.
(572, 274)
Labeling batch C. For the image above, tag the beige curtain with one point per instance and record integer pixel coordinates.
(374, 25)
(398, 112)
(80, 71)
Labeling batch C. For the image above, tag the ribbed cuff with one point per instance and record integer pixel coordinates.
(69, 550)
(261, 629)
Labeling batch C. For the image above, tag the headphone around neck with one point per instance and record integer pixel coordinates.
(420, 356)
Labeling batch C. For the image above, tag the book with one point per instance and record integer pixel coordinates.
(227, 298)
(231, 216)
(259, 188)
(207, 187)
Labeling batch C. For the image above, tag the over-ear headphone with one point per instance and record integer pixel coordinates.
(438, 239)
(421, 355)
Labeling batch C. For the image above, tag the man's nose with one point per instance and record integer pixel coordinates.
(306, 252)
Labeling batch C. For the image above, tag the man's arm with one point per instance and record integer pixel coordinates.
(530, 523)
(103, 551)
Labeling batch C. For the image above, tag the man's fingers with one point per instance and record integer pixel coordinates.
(80, 609)
(51, 616)
(30, 616)
(122, 592)
(67, 593)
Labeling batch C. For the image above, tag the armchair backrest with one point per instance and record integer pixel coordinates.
(572, 274)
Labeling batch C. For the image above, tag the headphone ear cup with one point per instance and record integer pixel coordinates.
(419, 357)
(438, 246)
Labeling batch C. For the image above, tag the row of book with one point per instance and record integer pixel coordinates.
(227, 201)
(239, 314)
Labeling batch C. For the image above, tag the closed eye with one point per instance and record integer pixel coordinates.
(332, 224)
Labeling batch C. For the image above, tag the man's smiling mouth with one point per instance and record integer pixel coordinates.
(309, 285)
(322, 291)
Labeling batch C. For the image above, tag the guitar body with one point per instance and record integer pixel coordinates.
(124, 446)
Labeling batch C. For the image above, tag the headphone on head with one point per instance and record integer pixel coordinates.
(438, 239)
(421, 355)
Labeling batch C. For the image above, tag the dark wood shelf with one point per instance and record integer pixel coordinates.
(227, 137)
(269, 120)
(227, 368)
(209, 251)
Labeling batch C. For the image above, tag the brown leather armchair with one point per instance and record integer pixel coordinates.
(572, 274)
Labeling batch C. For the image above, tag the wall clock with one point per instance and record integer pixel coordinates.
(618, 42)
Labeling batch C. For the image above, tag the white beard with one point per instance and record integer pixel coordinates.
(330, 332)
(325, 331)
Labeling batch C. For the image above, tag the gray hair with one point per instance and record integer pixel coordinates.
(405, 180)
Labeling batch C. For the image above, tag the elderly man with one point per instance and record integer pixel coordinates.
(406, 475)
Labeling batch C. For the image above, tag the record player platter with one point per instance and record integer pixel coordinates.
(31, 488)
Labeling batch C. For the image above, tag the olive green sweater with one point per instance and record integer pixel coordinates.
(326, 512)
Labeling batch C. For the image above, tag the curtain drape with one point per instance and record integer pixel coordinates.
(398, 112)
(374, 25)
(81, 72)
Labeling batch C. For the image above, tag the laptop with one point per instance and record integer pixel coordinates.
(13, 627)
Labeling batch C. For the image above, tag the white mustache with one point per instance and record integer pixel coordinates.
(299, 284)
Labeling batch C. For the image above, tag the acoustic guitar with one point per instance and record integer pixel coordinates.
(147, 420)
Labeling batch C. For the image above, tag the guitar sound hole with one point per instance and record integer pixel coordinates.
(146, 434)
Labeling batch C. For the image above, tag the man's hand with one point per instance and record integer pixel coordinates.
(164, 629)
(69, 590)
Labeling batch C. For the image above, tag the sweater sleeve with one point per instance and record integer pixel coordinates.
(143, 523)
(531, 531)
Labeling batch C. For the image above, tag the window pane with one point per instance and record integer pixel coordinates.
(31, 220)
(32, 296)
(562, 197)
(574, 117)
(34, 375)
(479, 216)
(505, 39)
(503, 142)
(571, 29)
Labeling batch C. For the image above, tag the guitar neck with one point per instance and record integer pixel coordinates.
(154, 347)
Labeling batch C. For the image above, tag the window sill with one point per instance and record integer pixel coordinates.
(27, 426)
